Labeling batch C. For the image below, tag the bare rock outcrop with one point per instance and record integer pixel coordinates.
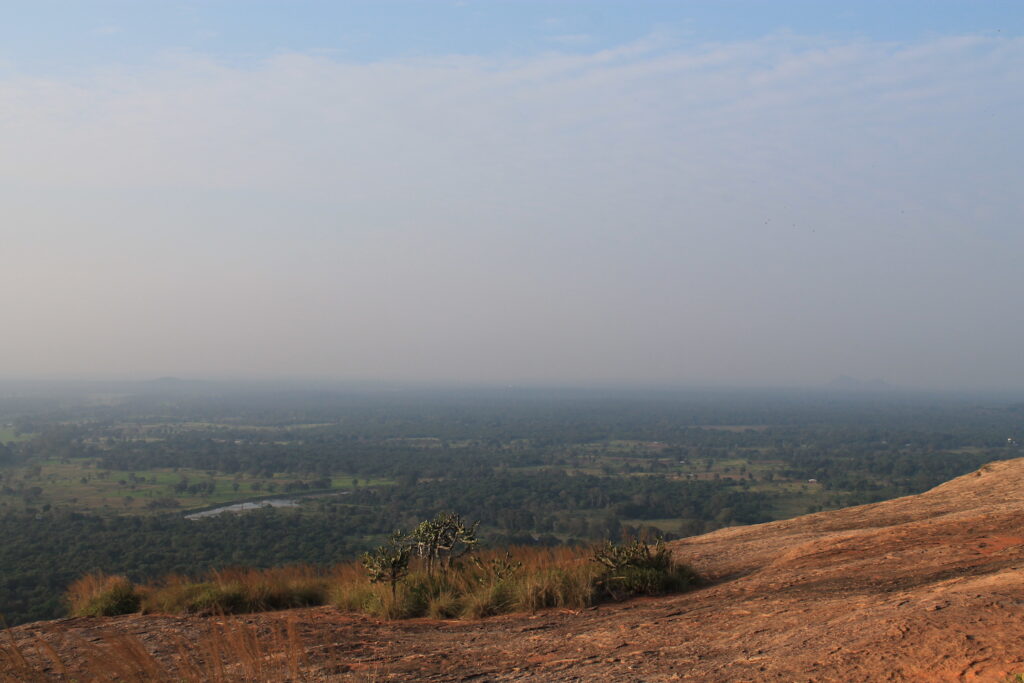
(922, 588)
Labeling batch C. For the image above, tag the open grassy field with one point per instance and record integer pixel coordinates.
(8, 435)
(82, 485)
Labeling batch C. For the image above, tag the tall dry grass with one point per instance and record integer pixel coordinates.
(222, 652)
(237, 590)
(102, 595)
(520, 579)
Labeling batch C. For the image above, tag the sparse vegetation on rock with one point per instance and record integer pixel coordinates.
(424, 573)
(525, 579)
(918, 588)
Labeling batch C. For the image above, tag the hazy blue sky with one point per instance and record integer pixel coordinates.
(742, 193)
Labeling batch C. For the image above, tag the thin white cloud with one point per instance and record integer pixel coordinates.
(785, 209)
(571, 39)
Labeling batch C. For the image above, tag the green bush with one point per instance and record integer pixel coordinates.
(633, 568)
(99, 595)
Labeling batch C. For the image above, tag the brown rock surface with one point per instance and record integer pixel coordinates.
(922, 588)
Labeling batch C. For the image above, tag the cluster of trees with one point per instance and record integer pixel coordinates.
(533, 467)
(438, 542)
(550, 501)
(198, 488)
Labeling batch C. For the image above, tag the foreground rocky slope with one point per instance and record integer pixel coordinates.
(922, 588)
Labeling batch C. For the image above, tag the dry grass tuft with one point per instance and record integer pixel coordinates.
(102, 595)
(226, 652)
(235, 591)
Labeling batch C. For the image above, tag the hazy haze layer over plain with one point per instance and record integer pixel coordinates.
(776, 210)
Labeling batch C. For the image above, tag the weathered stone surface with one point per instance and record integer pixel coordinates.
(922, 588)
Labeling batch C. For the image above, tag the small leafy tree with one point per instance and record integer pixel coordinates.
(442, 540)
(389, 563)
(497, 569)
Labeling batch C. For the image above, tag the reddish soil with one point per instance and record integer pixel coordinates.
(922, 588)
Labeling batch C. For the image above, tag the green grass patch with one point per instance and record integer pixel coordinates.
(9, 435)
(82, 485)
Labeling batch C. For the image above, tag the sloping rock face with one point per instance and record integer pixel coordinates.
(922, 588)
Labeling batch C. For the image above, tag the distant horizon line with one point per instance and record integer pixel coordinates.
(842, 383)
